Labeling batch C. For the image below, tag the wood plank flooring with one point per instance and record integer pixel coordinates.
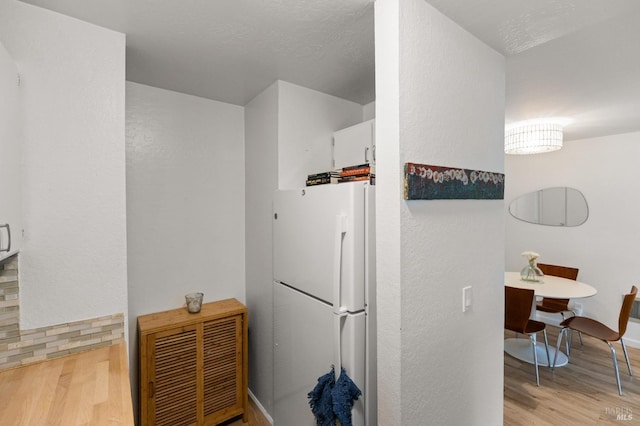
(86, 388)
(255, 417)
(584, 392)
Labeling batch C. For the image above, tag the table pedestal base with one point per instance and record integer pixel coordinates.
(521, 349)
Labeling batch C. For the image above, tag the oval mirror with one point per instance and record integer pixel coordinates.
(559, 206)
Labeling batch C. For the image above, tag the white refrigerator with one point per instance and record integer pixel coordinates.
(324, 296)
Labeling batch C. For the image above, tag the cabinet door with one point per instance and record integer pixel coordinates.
(222, 361)
(10, 156)
(173, 375)
(354, 145)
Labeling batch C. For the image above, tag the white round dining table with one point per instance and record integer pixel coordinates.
(552, 287)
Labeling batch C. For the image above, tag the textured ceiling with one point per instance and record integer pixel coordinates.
(513, 26)
(578, 59)
(230, 50)
(591, 77)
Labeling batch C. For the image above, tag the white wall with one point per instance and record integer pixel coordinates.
(307, 120)
(11, 143)
(185, 201)
(605, 248)
(73, 262)
(261, 175)
(439, 100)
(369, 111)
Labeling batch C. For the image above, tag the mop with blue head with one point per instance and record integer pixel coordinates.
(320, 400)
(344, 395)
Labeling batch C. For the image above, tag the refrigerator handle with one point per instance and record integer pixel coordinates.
(341, 229)
(339, 311)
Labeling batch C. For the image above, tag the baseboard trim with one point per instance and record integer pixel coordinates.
(260, 407)
(632, 342)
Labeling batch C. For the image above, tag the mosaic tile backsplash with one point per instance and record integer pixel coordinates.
(22, 347)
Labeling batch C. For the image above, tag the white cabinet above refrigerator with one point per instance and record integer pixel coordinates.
(354, 145)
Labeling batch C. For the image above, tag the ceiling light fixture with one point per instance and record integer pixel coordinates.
(533, 136)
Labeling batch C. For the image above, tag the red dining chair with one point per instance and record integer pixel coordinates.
(517, 310)
(596, 329)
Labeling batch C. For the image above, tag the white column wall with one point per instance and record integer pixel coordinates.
(388, 194)
(261, 171)
(605, 247)
(73, 261)
(440, 100)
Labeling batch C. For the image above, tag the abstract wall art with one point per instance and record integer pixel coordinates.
(427, 182)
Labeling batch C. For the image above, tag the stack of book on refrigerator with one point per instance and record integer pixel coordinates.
(323, 178)
(358, 173)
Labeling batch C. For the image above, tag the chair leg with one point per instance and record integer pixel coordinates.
(567, 342)
(615, 366)
(571, 333)
(555, 358)
(626, 356)
(546, 346)
(535, 358)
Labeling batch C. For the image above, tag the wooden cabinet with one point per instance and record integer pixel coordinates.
(193, 367)
(354, 145)
(10, 157)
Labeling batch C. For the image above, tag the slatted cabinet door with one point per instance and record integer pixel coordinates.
(173, 370)
(223, 350)
(193, 367)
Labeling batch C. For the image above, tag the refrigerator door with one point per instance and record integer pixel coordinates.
(318, 237)
(304, 351)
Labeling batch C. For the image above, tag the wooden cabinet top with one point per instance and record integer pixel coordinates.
(155, 322)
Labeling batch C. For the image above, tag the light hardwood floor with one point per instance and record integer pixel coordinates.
(255, 417)
(583, 392)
